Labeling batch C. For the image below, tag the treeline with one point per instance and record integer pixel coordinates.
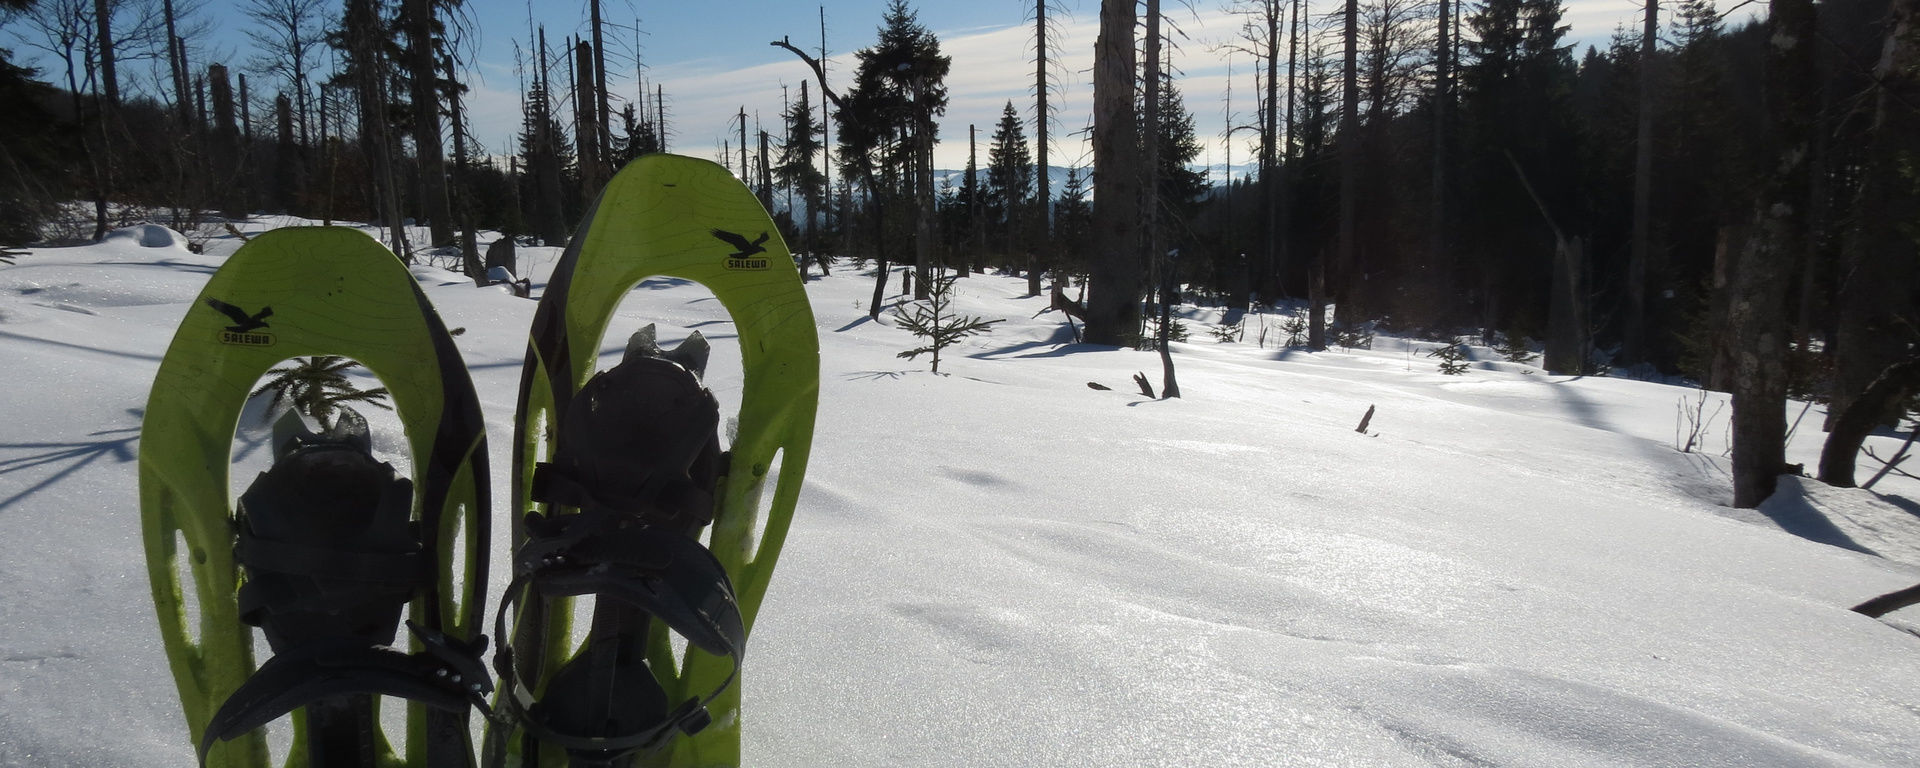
(1426, 166)
(343, 111)
(1739, 205)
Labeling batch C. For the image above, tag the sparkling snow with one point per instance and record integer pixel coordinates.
(1003, 567)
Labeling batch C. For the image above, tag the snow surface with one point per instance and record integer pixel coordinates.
(1004, 567)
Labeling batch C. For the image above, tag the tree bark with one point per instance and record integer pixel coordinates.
(1440, 272)
(1043, 197)
(1272, 187)
(1779, 238)
(587, 140)
(1876, 301)
(1156, 248)
(1894, 385)
(1349, 165)
(1634, 324)
(176, 63)
(109, 82)
(431, 160)
(602, 110)
(469, 237)
(1113, 300)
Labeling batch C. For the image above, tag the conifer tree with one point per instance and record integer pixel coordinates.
(1180, 186)
(1009, 180)
(797, 168)
(933, 319)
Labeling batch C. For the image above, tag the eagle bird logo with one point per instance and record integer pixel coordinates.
(242, 322)
(742, 248)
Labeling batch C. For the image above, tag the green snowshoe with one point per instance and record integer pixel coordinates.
(329, 545)
(622, 471)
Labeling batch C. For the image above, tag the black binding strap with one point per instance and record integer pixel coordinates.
(661, 572)
(447, 675)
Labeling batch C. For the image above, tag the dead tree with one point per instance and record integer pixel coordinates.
(1894, 385)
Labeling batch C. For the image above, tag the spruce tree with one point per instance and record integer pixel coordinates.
(1073, 220)
(1009, 180)
(1180, 186)
(796, 168)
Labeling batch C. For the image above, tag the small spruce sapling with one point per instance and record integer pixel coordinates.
(1296, 330)
(933, 319)
(1453, 360)
(1354, 337)
(317, 386)
(1516, 349)
(1150, 335)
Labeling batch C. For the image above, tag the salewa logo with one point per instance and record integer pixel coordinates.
(743, 257)
(247, 328)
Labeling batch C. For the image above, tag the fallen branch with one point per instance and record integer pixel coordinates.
(1364, 421)
(1145, 387)
(1898, 456)
(1889, 602)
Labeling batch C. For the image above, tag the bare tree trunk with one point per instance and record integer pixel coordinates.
(1634, 325)
(1875, 304)
(1778, 239)
(1349, 164)
(551, 224)
(1113, 302)
(602, 114)
(1156, 249)
(1720, 363)
(766, 183)
(1440, 276)
(826, 121)
(176, 63)
(431, 161)
(469, 238)
(1898, 382)
(1317, 303)
(106, 113)
(110, 84)
(1283, 197)
(977, 231)
(923, 192)
(586, 140)
(1044, 195)
(1273, 267)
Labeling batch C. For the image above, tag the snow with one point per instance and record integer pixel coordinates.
(1003, 567)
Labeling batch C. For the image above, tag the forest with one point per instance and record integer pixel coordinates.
(1737, 204)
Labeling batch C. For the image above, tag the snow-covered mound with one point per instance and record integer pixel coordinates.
(1004, 567)
(149, 236)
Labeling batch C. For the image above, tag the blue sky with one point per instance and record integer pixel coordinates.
(714, 58)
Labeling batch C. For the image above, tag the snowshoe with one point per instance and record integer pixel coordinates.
(615, 493)
(329, 545)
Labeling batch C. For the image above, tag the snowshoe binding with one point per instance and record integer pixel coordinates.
(628, 491)
(332, 559)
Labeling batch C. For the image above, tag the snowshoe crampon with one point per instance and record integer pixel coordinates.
(330, 548)
(622, 471)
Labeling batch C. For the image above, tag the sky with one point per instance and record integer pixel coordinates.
(713, 60)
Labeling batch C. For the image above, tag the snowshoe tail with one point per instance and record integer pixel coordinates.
(330, 548)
